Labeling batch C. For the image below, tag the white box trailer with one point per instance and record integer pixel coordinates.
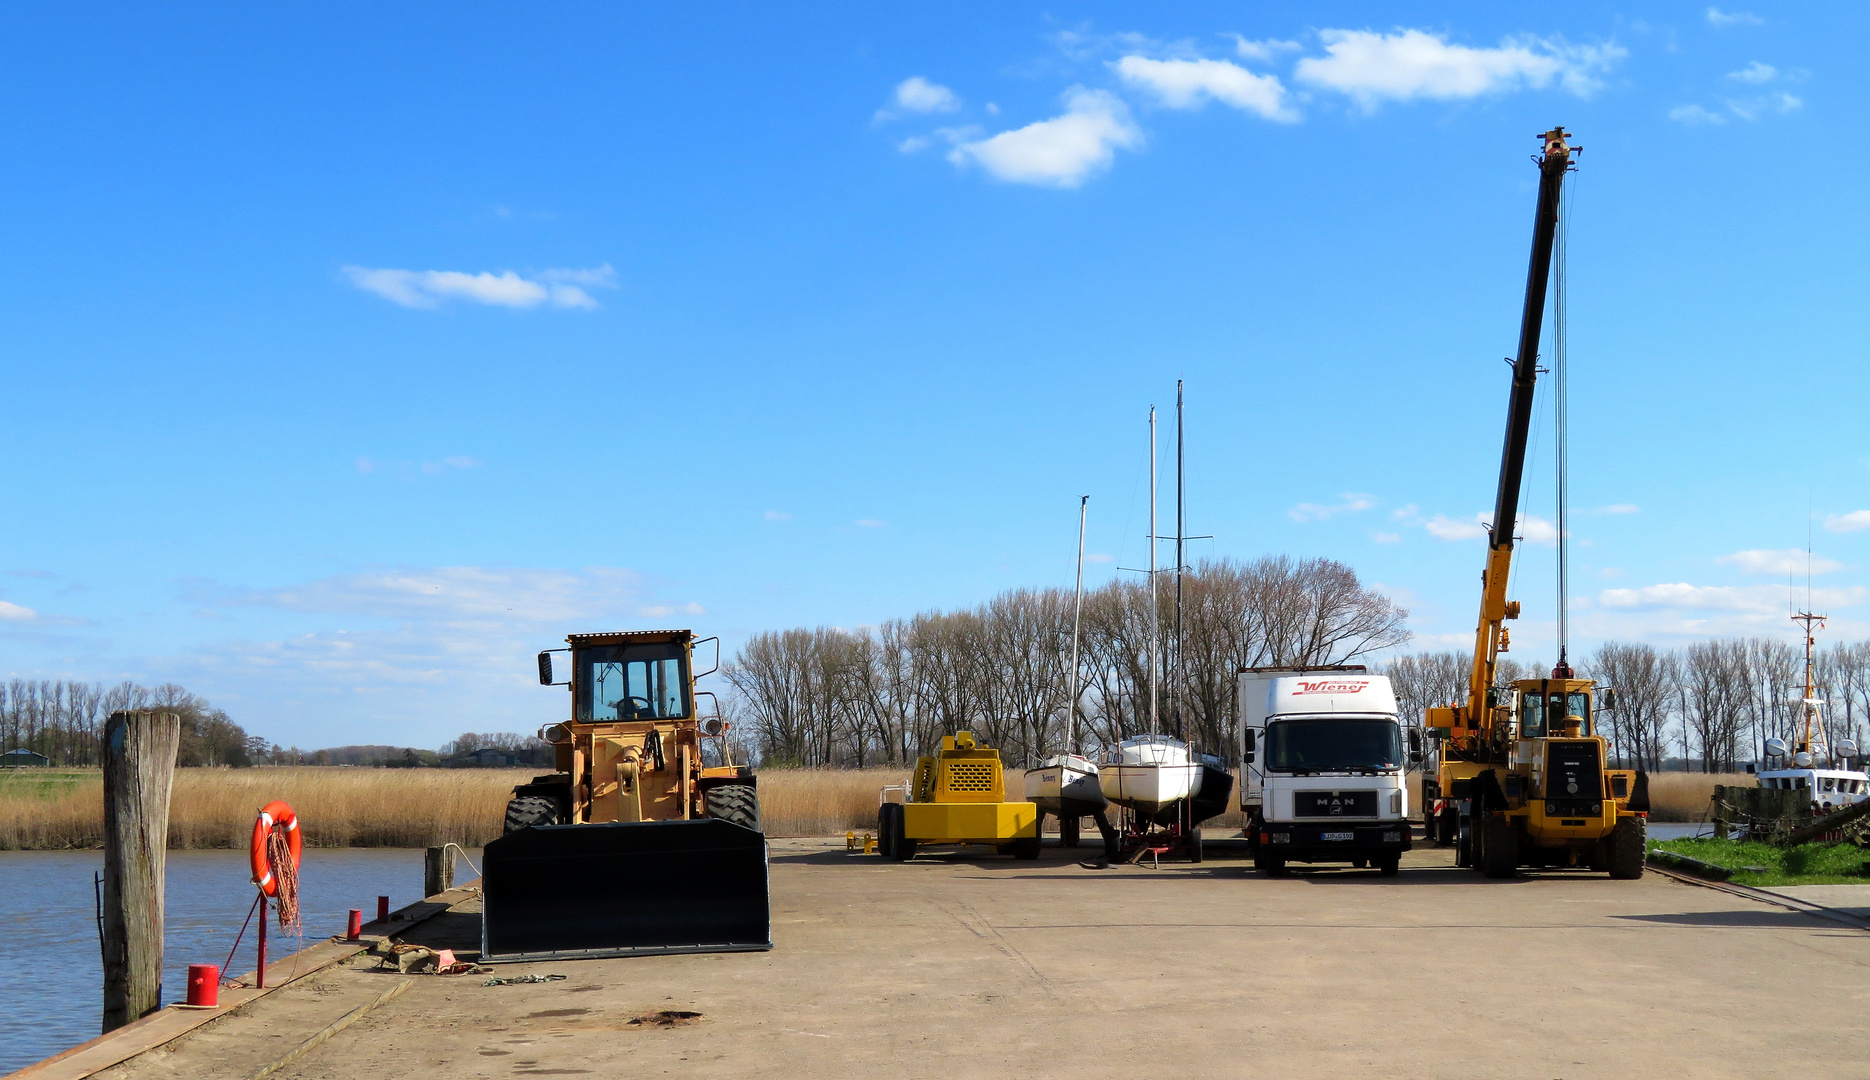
(1324, 767)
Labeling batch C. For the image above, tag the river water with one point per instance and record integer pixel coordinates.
(52, 997)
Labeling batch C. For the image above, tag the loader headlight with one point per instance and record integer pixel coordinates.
(1597, 808)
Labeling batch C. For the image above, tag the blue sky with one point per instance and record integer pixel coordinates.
(353, 356)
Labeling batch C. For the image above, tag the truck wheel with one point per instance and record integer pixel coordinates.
(1629, 846)
(1389, 865)
(1270, 865)
(1359, 864)
(1026, 847)
(1447, 827)
(1194, 844)
(1068, 831)
(1499, 852)
(529, 810)
(738, 803)
(1464, 845)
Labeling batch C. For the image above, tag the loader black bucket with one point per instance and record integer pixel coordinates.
(568, 892)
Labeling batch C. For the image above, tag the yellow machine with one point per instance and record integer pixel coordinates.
(957, 796)
(1521, 780)
(647, 837)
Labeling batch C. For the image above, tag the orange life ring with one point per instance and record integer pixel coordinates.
(273, 814)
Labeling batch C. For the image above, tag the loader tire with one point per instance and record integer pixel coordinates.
(1068, 831)
(1629, 847)
(528, 810)
(1447, 827)
(1499, 848)
(738, 803)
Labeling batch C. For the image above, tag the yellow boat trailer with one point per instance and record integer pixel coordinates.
(958, 796)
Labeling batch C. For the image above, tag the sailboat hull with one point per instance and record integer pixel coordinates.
(1148, 788)
(1065, 786)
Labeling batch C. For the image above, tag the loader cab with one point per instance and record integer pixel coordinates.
(1546, 704)
(632, 679)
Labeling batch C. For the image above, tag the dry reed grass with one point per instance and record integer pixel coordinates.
(214, 808)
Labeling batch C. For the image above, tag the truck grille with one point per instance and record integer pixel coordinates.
(1334, 804)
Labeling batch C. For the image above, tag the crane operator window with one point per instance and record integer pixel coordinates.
(1541, 713)
(632, 682)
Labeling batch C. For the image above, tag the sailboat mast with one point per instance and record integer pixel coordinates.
(1077, 616)
(1181, 505)
(1154, 615)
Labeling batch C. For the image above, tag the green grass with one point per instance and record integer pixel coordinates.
(1807, 864)
(45, 783)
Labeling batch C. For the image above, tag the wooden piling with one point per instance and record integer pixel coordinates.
(438, 870)
(139, 771)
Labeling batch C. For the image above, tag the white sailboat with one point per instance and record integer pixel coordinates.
(1149, 773)
(1812, 763)
(1066, 784)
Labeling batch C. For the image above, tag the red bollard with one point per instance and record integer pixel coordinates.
(356, 928)
(383, 909)
(204, 985)
(259, 974)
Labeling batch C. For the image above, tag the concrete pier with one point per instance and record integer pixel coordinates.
(989, 967)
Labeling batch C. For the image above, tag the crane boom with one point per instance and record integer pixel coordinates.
(1490, 636)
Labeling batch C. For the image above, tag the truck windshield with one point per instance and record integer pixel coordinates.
(631, 682)
(1333, 745)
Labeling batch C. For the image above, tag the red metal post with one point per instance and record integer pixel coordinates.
(356, 928)
(383, 909)
(259, 979)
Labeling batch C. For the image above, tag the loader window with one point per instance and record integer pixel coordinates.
(1540, 714)
(632, 682)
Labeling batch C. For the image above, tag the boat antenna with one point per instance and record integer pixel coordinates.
(1181, 506)
(1807, 621)
(1560, 434)
(1154, 615)
(1077, 617)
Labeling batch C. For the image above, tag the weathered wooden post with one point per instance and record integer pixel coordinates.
(438, 870)
(139, 770)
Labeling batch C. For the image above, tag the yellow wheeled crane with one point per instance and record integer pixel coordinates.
(1521, 779)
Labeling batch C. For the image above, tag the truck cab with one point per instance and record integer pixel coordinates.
(1323, 764)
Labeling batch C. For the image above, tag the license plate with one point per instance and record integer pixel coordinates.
(1337, 836)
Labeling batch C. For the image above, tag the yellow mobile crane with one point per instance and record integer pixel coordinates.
(1521, 779)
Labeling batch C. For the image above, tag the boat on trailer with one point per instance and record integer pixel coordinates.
(1149, 773)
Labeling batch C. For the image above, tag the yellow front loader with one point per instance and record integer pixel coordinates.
(647, 837)
(957, 796)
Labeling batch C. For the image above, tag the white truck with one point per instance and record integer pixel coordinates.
(1323, 767)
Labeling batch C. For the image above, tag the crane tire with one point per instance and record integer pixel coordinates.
(738, 803)
(526, 811)
(1629, 848)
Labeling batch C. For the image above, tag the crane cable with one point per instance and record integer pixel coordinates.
(1561, 421)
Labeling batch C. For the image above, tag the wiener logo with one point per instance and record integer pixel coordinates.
(1327, 686)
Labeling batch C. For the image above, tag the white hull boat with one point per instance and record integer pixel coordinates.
(1150, 772)
(1065, 778)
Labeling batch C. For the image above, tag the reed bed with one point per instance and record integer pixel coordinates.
(214, 808)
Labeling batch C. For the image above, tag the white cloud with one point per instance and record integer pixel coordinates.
(1695, 114)
(1405, 513)
(917, 94)
(1851, 522)
(1753, 599)
(1060, 152)
(563, 288)
(1780, 563)
(1189, 84)
(16, 613)
(1353, 502)
(1755, 72)
(778, 515)
(408, 469)
(1264, 51)
(1754, 108)
(1617, 508)
(1412, 64)
(913, 144)
(1722, 19)
(453, 594)
(1442, 527)
(1099, 558)
(1536, 530)
(1386, 537)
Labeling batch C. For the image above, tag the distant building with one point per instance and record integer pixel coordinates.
(489, 758)
(23, 758)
